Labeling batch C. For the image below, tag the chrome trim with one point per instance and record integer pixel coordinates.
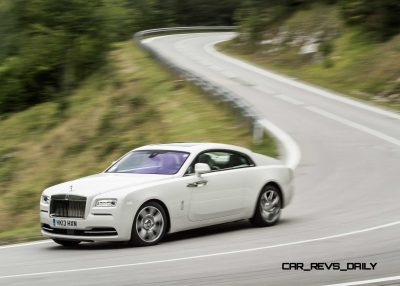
(100, 232)
(68, 206)
(100, 214)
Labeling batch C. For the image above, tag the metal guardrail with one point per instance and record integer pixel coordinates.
(221, 93)
(139, 35)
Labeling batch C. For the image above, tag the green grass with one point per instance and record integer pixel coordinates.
(130, 103)
(357, 66)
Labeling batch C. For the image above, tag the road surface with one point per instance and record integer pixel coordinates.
(346, 207)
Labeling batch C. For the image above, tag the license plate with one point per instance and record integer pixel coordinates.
(64, 223)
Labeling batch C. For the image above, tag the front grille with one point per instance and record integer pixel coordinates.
(96, 231)
(67, 206)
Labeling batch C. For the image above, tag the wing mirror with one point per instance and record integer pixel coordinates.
(201, 168)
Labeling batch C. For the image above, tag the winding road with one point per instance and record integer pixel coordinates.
(346, 207)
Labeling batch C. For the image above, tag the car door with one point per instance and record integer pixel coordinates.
(222, 192)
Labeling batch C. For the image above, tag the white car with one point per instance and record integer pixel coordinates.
(165, 188)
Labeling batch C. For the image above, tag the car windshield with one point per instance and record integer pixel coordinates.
(161, 162)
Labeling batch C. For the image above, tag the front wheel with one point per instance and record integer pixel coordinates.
(67, 243)
(149, 225)
(268, 209)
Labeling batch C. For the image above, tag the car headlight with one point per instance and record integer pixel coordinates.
(45, 199)
(106, 203)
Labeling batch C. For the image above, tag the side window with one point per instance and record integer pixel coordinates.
(230, 160)
(221, 160)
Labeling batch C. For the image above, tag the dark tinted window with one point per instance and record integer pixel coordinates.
(221, 160)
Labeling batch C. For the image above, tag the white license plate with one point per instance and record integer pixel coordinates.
(64, 223)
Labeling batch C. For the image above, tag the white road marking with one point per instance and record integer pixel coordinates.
(264, 89)
(355, 125)
(291, 149)
(205, 255)
(289, 99)
(216, 68)
(192, 56)
(228, 74)
(25, 244)
(180, 45)
(370, 281)
(293, 161)
(294, 153)
(196, 58)
(206, 63)
(210, 49)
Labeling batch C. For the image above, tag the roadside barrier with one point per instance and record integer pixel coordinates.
(220, 93)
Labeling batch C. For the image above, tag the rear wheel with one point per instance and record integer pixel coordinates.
(66, 242)
(269, 205)
(149, 225)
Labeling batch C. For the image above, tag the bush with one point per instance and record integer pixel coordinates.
(57, 45)
(379, 17)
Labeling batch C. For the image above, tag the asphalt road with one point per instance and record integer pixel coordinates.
(346, 208)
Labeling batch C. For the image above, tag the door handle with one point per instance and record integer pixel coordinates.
(197, 184)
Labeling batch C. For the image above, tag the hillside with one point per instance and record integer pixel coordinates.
(131, 102)
(314, 44)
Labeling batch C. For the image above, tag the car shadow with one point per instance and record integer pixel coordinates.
(209, 231)
(238, 226)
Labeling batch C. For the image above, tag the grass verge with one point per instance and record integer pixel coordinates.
(132, 102)
(353, 64)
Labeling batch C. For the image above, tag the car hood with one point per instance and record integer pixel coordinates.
(102, 183)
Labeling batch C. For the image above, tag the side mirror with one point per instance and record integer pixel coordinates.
(201, 168)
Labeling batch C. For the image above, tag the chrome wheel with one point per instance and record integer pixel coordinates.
(150, 224)
(270, 205)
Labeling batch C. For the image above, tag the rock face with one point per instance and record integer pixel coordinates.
(307, 44)
(317, 40)
(310, 46)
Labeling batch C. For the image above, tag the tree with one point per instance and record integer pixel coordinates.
(49, 46)
(56, 45)
(379, 17)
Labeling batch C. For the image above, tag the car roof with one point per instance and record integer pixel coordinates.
(194, 147)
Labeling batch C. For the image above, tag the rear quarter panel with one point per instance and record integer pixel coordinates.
(262, 175)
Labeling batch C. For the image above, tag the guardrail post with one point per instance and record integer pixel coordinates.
(258, 133)
(226, 97)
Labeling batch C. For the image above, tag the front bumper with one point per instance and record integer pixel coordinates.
(94, 227)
